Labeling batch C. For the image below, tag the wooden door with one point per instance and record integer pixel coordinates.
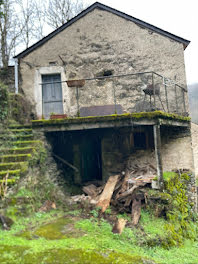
(91, 163)
(52, 95)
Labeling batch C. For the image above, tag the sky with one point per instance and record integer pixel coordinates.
(178, 17)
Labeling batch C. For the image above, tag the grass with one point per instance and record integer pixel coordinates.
(50, 237)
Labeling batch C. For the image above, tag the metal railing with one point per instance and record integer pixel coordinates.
(137, 92)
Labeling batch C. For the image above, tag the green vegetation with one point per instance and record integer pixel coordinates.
(60, 237)
(4, 102)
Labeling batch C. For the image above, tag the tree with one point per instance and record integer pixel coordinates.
(31, 20)
(18, 28)
(1, 3)
(9, 31)
(61, 11)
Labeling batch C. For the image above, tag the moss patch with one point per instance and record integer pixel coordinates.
(91, 119)
(59, 229)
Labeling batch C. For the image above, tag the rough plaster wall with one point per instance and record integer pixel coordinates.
(100, 41)
(194, 134)
(176, 152)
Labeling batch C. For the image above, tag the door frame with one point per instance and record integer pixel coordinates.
(61, 99)
(38, 96)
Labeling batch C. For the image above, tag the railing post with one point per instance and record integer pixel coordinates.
(77, 99)
(166, 97)
(114, 96)
(176, 96)
(153, 84)
(184, 103)
(16, 75)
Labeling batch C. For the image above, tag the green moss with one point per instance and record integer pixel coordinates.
(133, 116)
(27, 142)
(180, 211)
(78, 256)
(17, 126)
(169, 175)
(10, 172)
(22, 130)
(8, 181)
(13, 165)
(60, 229)
(15, 137)
(16, 150)
(23, 255)
(156, 194)
(11, 254)
(15, 157)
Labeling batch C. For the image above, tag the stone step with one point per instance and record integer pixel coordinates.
(15, 158)
(9, 181)
(23, 166)
(23, 131)
(11, 137)
(11, 173)
(26, 143)
(22, 150)
(19, 126)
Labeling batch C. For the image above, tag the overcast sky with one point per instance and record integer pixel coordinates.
(176, 16)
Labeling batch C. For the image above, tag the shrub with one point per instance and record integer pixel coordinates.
(21, 109)
(4, 102)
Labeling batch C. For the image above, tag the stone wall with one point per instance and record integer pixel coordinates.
(99, 42)
(176, 150)
(194, 133)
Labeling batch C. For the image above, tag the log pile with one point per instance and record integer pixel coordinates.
(124, 192)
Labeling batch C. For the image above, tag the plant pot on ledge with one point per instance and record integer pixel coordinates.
(58, 116)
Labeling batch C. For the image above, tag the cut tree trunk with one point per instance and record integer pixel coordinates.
(119, 226)
(136, 211)
(90, 190)
(107, 193)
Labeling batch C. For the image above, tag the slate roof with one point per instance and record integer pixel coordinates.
(108, 9)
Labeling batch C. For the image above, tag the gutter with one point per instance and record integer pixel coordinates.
(16, 76)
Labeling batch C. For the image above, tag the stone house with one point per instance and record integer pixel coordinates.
(121, 65)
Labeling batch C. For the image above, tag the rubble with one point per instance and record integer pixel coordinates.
(124, 192)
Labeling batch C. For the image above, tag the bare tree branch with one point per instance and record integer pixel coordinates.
(61, 11)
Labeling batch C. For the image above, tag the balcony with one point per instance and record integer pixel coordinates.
(130, 93)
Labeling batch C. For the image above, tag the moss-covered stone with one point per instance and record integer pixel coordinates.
(18, 150)
(23, 255)
(22, 130)
(14, 165)
(10, 173)
(26, 143)
(15, 157)
(16, 137)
